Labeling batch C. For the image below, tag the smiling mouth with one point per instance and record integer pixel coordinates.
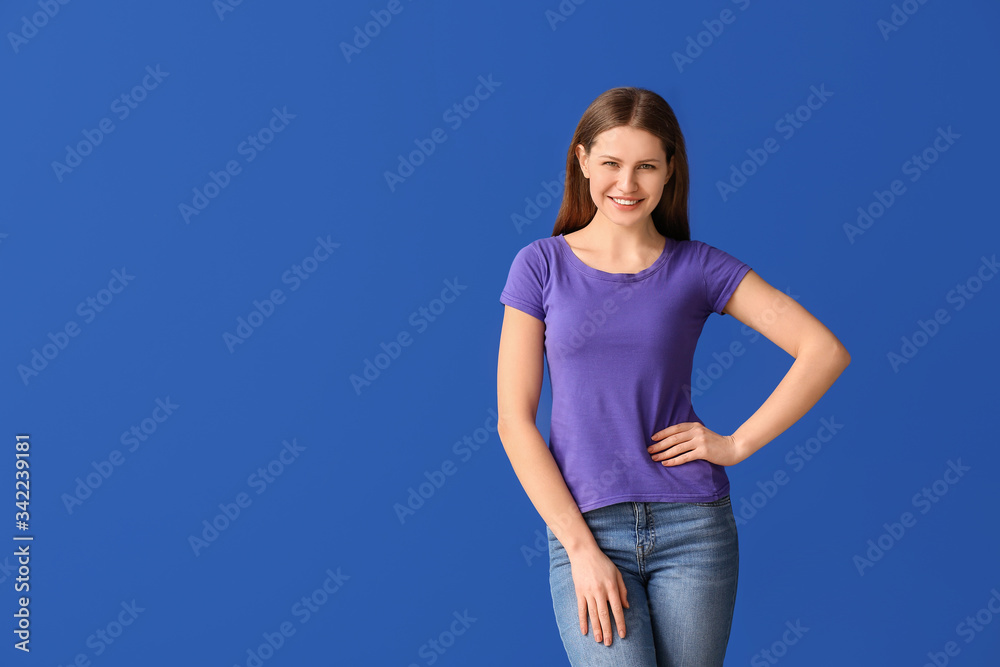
(625, 202)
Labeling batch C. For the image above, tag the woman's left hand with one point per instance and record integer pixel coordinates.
(688, 441)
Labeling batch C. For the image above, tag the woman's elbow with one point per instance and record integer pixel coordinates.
(827, 347)
(512, 422)
(838, 354)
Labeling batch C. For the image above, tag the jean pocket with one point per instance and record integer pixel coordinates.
(721, 502)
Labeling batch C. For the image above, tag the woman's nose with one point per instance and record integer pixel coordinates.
(626, 182)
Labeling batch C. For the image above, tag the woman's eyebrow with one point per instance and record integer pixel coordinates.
(652, 159)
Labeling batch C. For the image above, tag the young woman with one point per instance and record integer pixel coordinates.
(632, 485)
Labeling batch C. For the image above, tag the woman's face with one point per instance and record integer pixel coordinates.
(627, 169)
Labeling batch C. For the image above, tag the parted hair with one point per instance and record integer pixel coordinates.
(644, 110)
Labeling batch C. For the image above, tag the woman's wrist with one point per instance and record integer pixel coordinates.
(740, 447)
(582, 550)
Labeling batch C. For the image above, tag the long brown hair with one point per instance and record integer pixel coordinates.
(644, 110)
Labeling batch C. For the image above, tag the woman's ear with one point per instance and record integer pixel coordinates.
(581, 156)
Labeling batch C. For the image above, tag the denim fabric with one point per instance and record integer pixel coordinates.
(680, 564)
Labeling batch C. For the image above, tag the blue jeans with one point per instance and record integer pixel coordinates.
(680, 564)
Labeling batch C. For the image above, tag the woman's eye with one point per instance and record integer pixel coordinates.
(641, 165)
(615, 164)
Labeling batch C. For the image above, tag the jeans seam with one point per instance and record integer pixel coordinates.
(736, 581)
(638, 552)
(721, 502)
(652, 529)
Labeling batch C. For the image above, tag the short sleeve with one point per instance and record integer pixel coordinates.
(523, 289)
(722, 272)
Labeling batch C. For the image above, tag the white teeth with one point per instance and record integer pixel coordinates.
(625, 202)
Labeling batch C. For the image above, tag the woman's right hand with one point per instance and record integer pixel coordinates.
(598, 583)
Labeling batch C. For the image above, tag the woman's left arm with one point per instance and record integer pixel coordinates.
(819, 355)
(820, 358)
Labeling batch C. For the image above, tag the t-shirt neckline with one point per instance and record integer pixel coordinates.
(580, 265)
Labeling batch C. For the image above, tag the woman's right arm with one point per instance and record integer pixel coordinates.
(519, 384)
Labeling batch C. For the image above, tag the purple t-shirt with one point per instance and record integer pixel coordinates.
(620, 349)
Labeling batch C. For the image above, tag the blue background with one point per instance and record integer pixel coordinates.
(468, 549)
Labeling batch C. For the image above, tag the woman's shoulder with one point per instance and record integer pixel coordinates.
(537, 259)
(544, 249)
(690, 244)
(696, 247)
(547, 242)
